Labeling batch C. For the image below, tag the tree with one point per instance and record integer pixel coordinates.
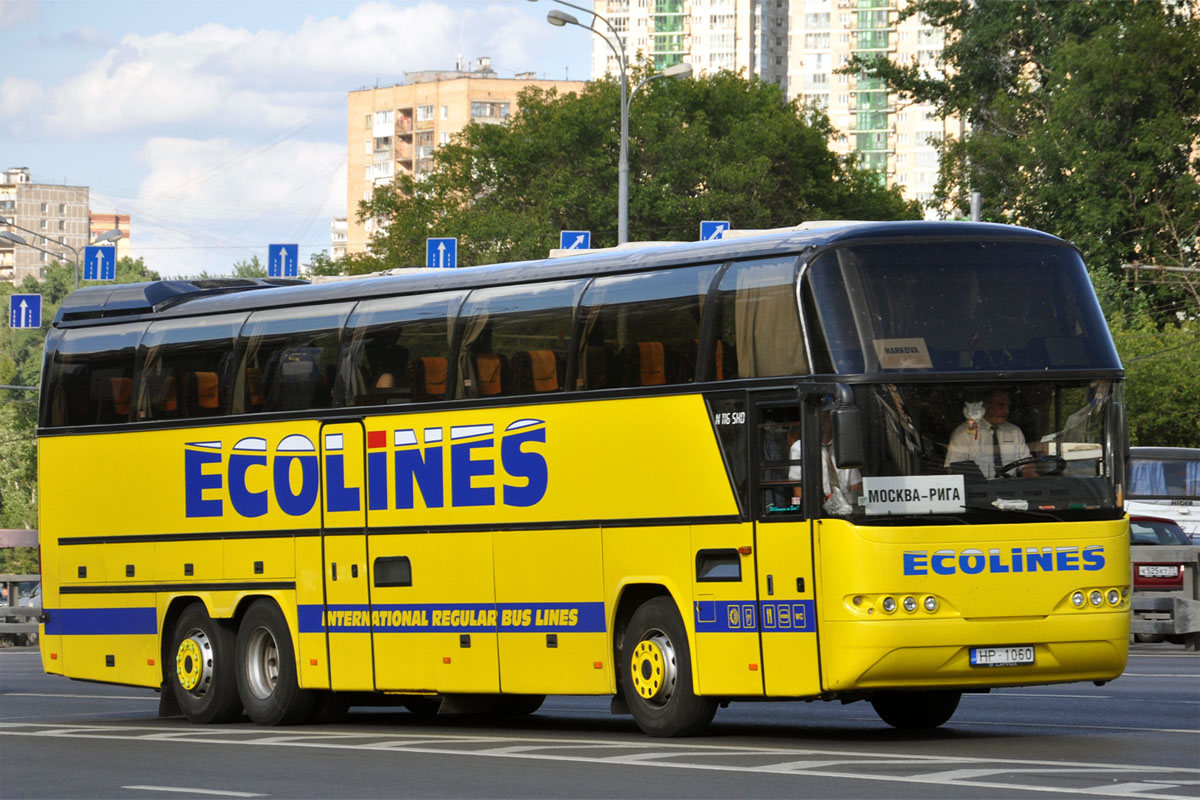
(249, 268)
(720, 147)
(1084, 122)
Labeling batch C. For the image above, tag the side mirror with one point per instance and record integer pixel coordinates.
(847, 436)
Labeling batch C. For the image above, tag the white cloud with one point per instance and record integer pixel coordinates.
(207, 203)
(268, 78)
(16, 12)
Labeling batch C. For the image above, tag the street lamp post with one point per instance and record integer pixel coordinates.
(561, 19)
(107, 236)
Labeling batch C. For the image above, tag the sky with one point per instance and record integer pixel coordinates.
(220, 127)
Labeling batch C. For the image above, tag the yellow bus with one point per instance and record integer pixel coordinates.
(464, 490)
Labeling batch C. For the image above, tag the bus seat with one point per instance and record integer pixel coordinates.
(596, 367)
(429, 378)
(536, 371)
(120, 390)
(297, 378)
(491, 372)
(162, 392)
(254, 388)
(201, 394)
(643, 364)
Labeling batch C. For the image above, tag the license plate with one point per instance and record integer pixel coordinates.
(1158, 571)
(1001, 656)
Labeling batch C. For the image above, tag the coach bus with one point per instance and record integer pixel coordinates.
(464, 490)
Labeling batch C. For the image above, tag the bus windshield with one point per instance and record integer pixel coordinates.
(977, 449)
(957, 306)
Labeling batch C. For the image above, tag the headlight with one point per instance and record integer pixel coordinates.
(1077, 599)
(1096, 597)
(931, 604)
(910, 604)
(1114, 597)
(889, 604)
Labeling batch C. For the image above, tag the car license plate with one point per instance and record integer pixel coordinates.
(1002, 656)
(1158, 570)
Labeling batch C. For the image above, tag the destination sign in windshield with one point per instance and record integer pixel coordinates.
(914, 494)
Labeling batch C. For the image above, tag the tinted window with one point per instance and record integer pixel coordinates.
(397, 349)
(290, 358)
(758, 327)
(963, 306)
(1153, 532)
(515, 339)
(89, 378)
(643, 330)
(187, 367)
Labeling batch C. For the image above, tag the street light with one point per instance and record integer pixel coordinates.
(561, 19)
(107, 236)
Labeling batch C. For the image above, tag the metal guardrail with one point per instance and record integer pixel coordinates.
(1169, 613)
(15, 618)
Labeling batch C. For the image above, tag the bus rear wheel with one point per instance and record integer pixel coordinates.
(915, 710)
(266, 674)
(656, 673)
(201, 670)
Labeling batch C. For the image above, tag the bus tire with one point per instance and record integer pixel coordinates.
(915, 710)
(201, 669)
(656, 673)
(266, 675)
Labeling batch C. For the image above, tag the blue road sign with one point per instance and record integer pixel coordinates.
(441, 253)
(713, 229)
(99, 263)
(283, 260)
(25, 310)
(575, 240)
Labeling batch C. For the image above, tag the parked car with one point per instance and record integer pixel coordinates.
(1156, 576)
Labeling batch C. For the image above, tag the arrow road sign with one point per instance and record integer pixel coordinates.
(99, 263)
(25, 310)
(575, 240)
(283, 260)
(441, 253)
(713, 229)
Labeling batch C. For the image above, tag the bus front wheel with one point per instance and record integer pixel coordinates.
(656, 674)
(266, 675)
(201, 673)
(915, 710)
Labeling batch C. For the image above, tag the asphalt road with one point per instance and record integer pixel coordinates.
(1138, 737)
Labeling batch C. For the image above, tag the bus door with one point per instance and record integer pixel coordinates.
(344, 540)
(783, 547)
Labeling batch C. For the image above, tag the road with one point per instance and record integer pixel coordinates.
(1138, 737)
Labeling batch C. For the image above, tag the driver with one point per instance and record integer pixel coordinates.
(993, 442)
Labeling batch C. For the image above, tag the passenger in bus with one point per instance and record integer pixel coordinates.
(839, 486)
(990, 442)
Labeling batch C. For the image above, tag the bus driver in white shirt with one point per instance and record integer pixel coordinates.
(993, 442)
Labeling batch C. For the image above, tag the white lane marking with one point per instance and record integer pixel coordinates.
(1127, 789)
(1039, 694)
(82, 696)
(189, 790)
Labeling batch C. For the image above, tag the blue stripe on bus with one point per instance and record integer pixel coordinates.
(101, 621)
(769, 616)
(453, 617)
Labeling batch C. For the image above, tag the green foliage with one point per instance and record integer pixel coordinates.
(19, 561)
(249, 268)
(720, 147)
(1162, 368)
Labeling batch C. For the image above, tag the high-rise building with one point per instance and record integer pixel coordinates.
(394, 130)
(103, 223)
(799, 45)
(49, 216)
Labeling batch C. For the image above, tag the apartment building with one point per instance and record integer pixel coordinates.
(53, 217)
(394, 130)
(103, 223)
(799, 45)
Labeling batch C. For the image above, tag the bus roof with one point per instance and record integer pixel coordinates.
(106, 304)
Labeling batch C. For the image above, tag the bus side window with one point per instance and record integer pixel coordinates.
(289, 358)
(186, 367)
(89, 377)
(757, 326)
(646, 325)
